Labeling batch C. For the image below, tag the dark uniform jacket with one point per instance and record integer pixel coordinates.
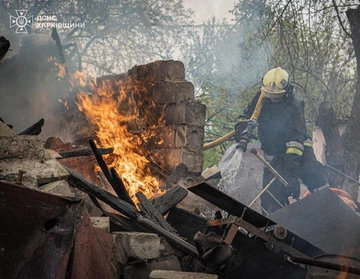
(284, 138)
(281, 124)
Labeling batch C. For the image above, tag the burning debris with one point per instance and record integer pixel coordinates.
(138, 175)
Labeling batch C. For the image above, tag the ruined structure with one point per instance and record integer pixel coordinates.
(68, 211)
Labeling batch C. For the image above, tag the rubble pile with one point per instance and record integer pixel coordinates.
(26, 165)
(67, 214)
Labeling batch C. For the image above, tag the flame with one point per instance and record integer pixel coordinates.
(115, 113)
(62, 69)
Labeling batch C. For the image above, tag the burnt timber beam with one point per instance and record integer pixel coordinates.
(113, 178)
(86, 186)
(120, 188)
(34, 129)
(84, 152)
(168, 200)
(153, 212)
(101, 161)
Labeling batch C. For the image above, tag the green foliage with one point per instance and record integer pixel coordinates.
(306, 40)
(226, 69)
(225, 62)
(117, 34)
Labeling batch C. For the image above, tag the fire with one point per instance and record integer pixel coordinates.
(113, 108)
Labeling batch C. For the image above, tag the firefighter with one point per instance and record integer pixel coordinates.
(284, 139)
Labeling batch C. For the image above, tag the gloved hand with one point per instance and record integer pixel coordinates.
(239, 128)
(293, 188)
(247, 135)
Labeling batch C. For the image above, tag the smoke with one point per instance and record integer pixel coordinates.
(30, 88)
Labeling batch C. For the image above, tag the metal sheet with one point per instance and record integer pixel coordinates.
(324, 220)
(43, 236)
(235, 208)
(230, 205)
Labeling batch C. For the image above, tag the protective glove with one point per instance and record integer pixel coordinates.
(247, 135)
(293, 188)
(239, 128)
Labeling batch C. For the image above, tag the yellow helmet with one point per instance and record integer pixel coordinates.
(275, 82)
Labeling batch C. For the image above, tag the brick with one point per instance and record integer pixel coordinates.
(36, 172)
(118, 256)
(190, 137)
(21, 147)
(172, 92)
(193, 160)
(159, 71)
(60, 187)
(168, 158)
(139, 245)
(154, 115)
(162, 137)
(102, 223)
(191, 113)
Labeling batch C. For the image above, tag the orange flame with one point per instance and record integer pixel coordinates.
(113, 109)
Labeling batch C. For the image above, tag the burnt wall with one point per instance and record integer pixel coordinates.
(176, 119)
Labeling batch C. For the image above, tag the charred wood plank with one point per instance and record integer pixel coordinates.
(34, 129)
(101, 161)
(113, 178)
(154, 213)
(121, 223)
(168, 200)
(87, 186)
(84, 152)
(96, 202)
(119, 187)
(146, 213)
